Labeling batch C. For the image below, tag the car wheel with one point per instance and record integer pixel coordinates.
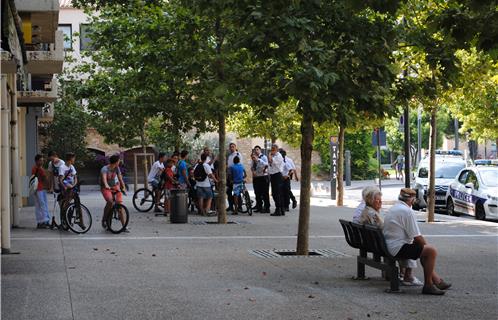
(480, 213)
(450, 208)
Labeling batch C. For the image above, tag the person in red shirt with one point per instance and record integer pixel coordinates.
(40, 197)
(169, 183)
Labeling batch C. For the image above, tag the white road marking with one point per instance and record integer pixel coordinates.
(228, 237)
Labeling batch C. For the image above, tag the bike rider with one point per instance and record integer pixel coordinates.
(111, 180)
(237, 176)
(67, 180)
(154, 179)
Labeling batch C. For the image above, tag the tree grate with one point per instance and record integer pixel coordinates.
(203, 223)
(286, 253)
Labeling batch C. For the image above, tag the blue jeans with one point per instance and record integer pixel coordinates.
(41, 207)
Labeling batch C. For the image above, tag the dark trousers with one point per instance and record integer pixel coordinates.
(287, 194)
(262, 192)
(229, 194)
(276, 190)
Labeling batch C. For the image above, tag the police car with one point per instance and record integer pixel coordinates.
(447, 167)
(474, 192)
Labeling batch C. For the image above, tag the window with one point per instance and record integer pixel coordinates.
(463, 177)
(68, 35)
(472, 178)
(85, 41)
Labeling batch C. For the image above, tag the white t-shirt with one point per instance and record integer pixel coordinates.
(54, 168)
(400, 227)
(68, 174)
(231, 156)
(277, 164)
(205, 183)
(155, 171)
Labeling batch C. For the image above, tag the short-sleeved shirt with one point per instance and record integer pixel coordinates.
(231, 156)
(40, 174)
(155, 170)
(277, 164)
(205, 182)
(68, 174)
(400, 227)
(54, 169)
(182, 165)
(259, 167)
(169, 173)
(288, 166)
(111, 175)
(237, 173)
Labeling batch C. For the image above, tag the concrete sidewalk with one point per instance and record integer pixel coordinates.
(201, 271)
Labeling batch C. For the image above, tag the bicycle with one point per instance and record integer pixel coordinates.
(117, 219)
(246, 205)
(144, 199)
(76, 217)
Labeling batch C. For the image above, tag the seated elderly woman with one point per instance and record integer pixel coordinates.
(368, 212)
(373, 203)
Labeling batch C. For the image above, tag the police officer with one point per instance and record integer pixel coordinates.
(275, 169)
(261, 180)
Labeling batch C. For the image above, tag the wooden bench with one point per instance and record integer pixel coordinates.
(370, 239)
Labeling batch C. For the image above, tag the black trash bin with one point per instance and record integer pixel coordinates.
(179, 210)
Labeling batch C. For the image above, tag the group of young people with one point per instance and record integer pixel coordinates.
(60, 178)
(275, 170)
(403, 237)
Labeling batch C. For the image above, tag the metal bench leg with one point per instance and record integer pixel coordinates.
(393, 278)
(360, 267)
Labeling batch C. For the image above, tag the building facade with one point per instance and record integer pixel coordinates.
(31, 54)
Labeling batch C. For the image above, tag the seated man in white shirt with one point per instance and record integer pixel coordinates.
(404, 241)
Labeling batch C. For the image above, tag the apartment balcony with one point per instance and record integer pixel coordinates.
(46, 58)
(9, 65)
(38, 95)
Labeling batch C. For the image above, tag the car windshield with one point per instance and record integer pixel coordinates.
(489, 177)
(449, 171)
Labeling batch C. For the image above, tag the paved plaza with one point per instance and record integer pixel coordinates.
(208, 271)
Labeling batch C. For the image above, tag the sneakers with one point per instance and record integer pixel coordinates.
(43, 225)
(126, 230)
(156, 209)
(432, 290)
(414, 283)
(104, 224)
(443, 285)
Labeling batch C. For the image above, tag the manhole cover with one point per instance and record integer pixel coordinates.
(286, 253)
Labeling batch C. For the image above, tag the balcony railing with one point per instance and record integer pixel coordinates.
(48, 94)
(9, 65)
(46, 58)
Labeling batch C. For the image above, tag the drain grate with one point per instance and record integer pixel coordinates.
(286, 253)
(201, 223)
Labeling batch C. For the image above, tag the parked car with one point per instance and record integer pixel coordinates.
(474, 192)
(447, 167)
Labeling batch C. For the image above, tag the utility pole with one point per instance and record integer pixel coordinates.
(406, 118)
(457, 142)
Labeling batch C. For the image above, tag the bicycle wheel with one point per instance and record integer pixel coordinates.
(143, 200)
(78, 218)
(116, 223)
(248, 202)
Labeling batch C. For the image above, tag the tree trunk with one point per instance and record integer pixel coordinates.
(222, 167)
(307, 132)
(431, 192)
(340, 168)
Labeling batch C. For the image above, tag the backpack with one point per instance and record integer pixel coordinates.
(33, 184)
(199, 172)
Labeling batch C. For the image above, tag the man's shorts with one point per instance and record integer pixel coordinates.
(205, 192)
(107, 194)
(237, 189)
(410, 251)
(154, 183)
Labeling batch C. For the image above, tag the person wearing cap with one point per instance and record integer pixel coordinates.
(404, 241)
